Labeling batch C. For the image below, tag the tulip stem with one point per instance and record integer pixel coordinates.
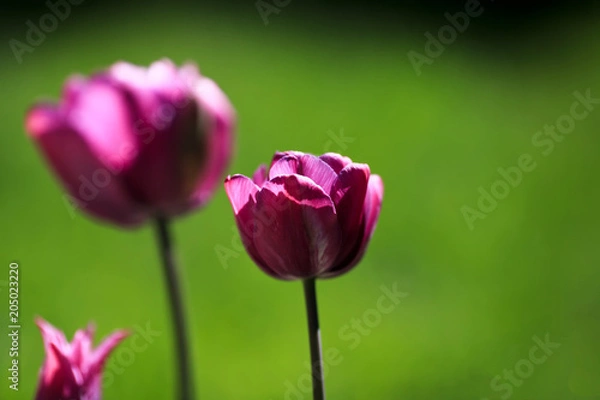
(184, 369)
(314, 335)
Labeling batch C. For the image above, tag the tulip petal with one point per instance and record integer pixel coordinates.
(301, 239)
(242, 195)
(319, 171)
(82, 344)
(160, 76)
(336, 161)
(89, 181)
(372, 208)
(220, 137)
(240, 190)
(348, 195)
(280, 154)
(103, 115)
(56, 373)
(185, 134)
(307, 165)
(168, 168)
(63, 382)
(286, 165)
(100, 354)
(66, 375)
(260, 175)
(51, 336)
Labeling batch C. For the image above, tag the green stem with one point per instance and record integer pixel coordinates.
(184, 367)
(314, 335)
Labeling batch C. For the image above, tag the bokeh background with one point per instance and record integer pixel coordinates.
(334, 76)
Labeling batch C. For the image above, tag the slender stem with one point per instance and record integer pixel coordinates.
(184, 368)
(314, 335)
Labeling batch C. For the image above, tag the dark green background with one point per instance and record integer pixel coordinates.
(476, 298)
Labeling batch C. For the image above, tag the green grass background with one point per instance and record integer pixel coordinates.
(476, 297)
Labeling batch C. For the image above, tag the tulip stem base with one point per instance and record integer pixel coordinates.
(314, 335)
(171, 275)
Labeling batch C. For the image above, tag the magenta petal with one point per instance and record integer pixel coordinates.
(306, 165)
(103, 115)
(160, 82)
(100, 354)
(286, 165)
(220, 118)
(82, 344)
(242, 195)
(348, 194)
(372, 208)
(241, 190)
(336, 161)
(280, 154)
(167, 169)
(92, 185)
(57, 376)
(319, 171)
(72, 370)
(302, 238)
(63, 382)
(260, 175)
(71, 90)
(51, 336)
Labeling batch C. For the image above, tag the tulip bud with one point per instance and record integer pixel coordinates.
(131, 143)
(73, 370)
(311, 217)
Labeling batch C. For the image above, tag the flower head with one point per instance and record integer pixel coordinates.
(307, 216)
(73, 370)
(132, 142)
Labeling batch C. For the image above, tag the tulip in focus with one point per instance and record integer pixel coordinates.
(130, 143)
(310, 217)
(73, 371)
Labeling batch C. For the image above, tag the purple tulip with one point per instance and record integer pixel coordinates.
(73, 370)
(131, 143)
(311, 217)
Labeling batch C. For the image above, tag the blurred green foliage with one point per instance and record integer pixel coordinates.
(476, 298)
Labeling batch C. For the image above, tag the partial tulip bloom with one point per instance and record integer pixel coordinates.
(73, 371)
(308, 216)
(130, 143)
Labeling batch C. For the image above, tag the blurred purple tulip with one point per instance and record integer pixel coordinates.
(311, 217)
(73, 370)
(131, 143)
